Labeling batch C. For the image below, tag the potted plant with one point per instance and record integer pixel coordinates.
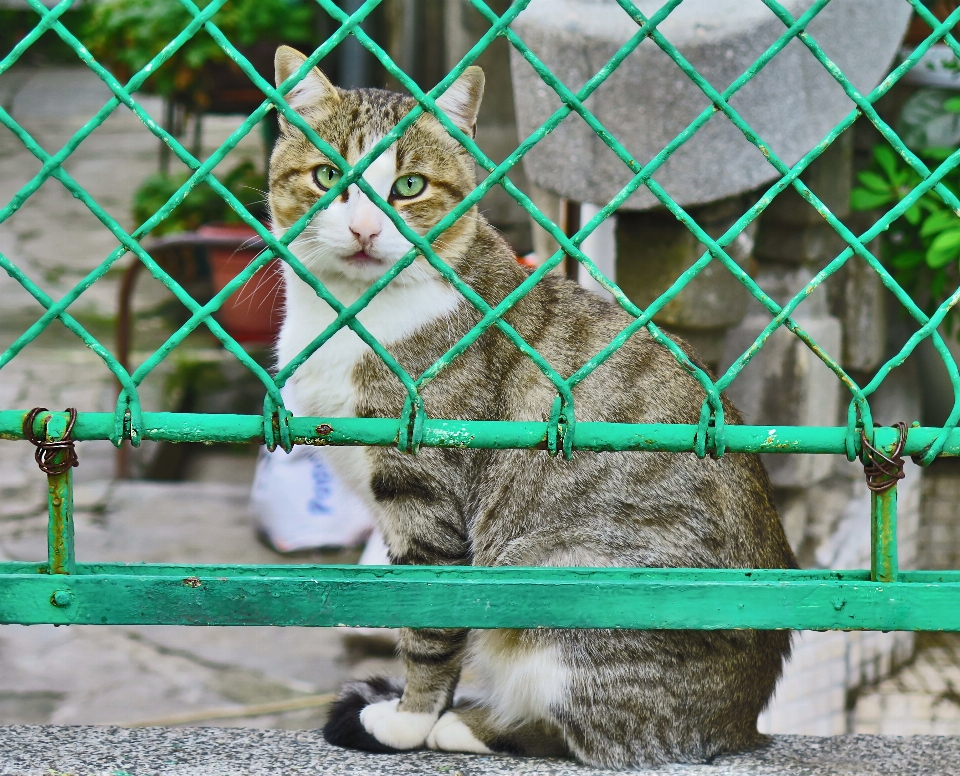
(204, 220)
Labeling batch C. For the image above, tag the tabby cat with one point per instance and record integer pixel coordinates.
(606, 697)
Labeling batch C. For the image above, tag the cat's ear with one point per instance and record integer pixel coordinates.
(461, 102)
(313, 90)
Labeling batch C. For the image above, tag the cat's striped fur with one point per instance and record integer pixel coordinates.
(610, 698)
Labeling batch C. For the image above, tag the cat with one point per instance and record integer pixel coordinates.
(611, 698)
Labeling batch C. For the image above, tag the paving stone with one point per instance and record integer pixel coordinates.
(110, 751)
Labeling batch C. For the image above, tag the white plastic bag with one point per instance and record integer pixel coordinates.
(300, 504)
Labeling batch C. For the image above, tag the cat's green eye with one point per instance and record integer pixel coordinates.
(326, 175)
(408, 186)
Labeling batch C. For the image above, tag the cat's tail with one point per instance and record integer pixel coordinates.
(343, 726)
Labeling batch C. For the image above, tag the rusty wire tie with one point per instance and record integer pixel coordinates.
(883, 472)
(46, 451)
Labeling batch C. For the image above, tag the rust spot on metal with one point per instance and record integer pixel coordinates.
(192, 582)
(324, 429)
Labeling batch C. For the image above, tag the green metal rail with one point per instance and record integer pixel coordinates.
(63, 590)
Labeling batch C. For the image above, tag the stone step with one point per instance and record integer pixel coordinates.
(47, 750)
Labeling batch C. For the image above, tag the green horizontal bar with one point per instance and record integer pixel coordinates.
(515, 573)
(481, 598)
(430, 573)
(187, 427)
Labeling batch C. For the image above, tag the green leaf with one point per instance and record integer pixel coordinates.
(939, 153)
(873, 182)
(938, 283)
(944, 249)
(907, 259)
(861, 199)
(942, 219)
(913, 215)
(952, 105)
(887, 160)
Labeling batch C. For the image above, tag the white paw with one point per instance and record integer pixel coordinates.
(451, 735)
(399, 729)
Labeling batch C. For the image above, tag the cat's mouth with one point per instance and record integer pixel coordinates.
(362, 257)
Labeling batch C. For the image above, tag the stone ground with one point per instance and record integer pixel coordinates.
(106, 751)
(126, 676)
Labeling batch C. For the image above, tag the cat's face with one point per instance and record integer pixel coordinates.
(423, 175)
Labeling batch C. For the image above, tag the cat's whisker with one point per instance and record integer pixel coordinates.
(269, 271)
(257, 256)
(271, 293)
(273, 306)
(418, 269)
(267, 275)
(250, 241)
(265, 194)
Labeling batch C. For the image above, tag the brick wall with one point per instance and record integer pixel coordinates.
(939, 534)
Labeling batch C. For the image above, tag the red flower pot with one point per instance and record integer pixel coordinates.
(253, 313)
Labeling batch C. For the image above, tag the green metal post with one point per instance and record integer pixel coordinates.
(60, 551)
(883, 536)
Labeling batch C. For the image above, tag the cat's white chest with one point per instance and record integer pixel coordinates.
(323, 386)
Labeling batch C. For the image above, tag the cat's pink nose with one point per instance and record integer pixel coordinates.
(365, 230)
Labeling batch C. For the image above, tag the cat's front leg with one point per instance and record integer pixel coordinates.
(421, 514)
(433, 658)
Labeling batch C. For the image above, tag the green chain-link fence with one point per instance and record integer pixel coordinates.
(62, 590)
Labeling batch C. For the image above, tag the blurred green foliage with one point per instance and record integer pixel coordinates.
(202, 205)
(922, 247)
(127, 34)
(16, 24)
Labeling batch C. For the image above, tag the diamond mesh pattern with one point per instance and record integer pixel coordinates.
(711, 434)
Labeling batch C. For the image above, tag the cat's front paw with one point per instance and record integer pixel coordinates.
(392, 727)
(451, 734)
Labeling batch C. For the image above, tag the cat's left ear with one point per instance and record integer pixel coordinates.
(314, 89)
(461, 102)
